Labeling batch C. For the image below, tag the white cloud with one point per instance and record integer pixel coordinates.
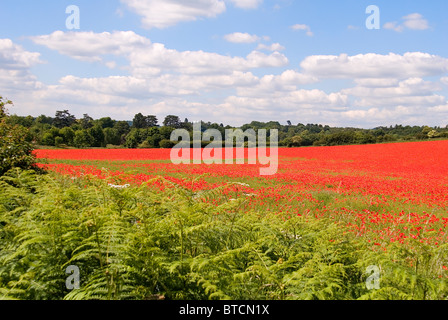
(440, 108)
(412, 93)
(239, 37)
(371, 65)
(378, 115)
(151, 59)
(393, 26)
(13, 56)
(352, 27)
(271, 47)
(303, 27)
(167, 13)
(90, 46)
(199, 62)
(288, 81)
(247, 4)
(414, 21)
(15, 64)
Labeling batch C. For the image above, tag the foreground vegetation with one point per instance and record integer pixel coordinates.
(159, 240)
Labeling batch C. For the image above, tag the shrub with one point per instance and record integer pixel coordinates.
(166, 144)
(15, 148)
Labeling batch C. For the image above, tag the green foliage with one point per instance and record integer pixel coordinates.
(159, 240)
(105, 131)
(15, 148)
(83, 139)
(166, 144)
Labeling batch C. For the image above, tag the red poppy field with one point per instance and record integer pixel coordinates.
(333, 223)
(385, 193)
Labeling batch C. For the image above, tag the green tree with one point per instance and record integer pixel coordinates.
(122, 127)
(172, 121)
(86, 121)
(68, 134)
(106, 122)
(133, 139)
(15, 150)
(98, 136)
(166, 144)
(58, 141)
(165, 132)
(63, 119)
(47, 139)
(83, 139)
(111, 136)
(142, 122)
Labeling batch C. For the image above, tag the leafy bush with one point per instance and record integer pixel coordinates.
(15, 148)
(166, 144)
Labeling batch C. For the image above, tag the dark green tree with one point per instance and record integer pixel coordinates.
(139, 121)
(68, 135)
(63, 119)
(172, 121)
(122, 127)
(83, 139)
(86, 121)
(112, 136)
(98, 136)
(106, 122)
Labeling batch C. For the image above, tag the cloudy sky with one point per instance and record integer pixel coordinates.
(229, 61)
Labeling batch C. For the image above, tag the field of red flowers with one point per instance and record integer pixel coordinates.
(386, 192)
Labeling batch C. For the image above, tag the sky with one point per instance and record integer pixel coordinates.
(337, 63)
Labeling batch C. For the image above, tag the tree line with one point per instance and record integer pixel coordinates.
(145, 131)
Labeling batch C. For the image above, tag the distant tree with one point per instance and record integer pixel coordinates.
(154, 140)
(63, 119)
(43, 119)
(165, 132)
(58, 141)
(289, 123)
(106, 122)
(172, 121)
(296, 141)
(47, 139)
(142, 122)
(133, 138)
(112, 136)
(151, 121)
(98, 136)
(166, 144)
(82, 139)
(122, 127)
(86, 121)
(68, 135)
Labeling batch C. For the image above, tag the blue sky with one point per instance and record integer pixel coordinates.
(230, 61)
